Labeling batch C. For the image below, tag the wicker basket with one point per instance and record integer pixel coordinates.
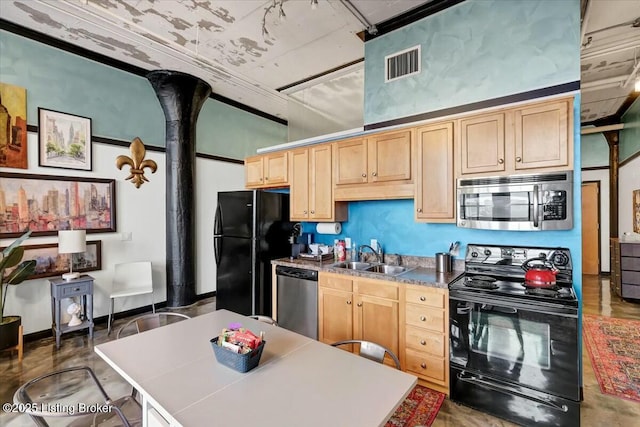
(239, 362)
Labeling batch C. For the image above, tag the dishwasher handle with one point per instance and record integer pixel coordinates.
(298, 273)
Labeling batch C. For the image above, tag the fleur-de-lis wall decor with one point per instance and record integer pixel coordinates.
(137, 163)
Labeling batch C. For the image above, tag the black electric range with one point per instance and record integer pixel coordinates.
(514, 350)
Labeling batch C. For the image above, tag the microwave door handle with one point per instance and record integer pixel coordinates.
(536, 206)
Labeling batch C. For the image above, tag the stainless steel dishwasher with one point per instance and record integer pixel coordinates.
(297, 301)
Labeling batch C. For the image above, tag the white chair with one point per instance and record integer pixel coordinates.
(129, 279)
(265, 319)
(371, 351)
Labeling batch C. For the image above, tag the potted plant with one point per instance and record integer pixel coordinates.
(11, 257)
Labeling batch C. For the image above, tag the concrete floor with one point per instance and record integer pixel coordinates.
(42, 356)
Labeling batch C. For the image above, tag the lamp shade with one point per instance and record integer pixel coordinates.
(72, 241)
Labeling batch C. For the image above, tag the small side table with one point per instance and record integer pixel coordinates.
(60, 289)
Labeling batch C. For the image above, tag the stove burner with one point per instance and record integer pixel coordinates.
(544, 292)
(483, 278)
(481, 282)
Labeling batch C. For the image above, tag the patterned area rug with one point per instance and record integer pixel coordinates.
(614, 349)
(420, 408)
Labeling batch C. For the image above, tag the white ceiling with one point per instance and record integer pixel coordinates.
(609, 56)
(222, 42)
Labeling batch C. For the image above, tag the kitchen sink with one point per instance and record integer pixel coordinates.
(353, 265)
(392, 270)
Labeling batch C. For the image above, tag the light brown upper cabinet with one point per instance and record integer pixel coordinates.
(530, 138)
(311, 194)
(435, 177)
(482, 143)
(374, 167)
(544, 135)
(268, 170)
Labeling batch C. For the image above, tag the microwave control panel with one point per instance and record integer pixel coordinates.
(554, 205)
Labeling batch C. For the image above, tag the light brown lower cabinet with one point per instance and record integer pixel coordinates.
(410, 320)
(424, 335)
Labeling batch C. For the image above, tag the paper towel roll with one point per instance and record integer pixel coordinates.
(329, 228)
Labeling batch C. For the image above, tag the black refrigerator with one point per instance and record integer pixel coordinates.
(251, 228)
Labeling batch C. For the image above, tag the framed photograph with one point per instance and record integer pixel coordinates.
(636, 211)
(13, 126)
(64, 140)
(46, 204)
(50, 263)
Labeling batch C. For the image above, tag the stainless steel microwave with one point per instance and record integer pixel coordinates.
(518, 202)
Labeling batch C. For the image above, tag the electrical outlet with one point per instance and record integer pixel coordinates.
(347, 242)
(374, 244)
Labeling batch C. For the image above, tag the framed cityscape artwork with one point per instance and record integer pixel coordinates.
(64, 140)
(50, 263)
(13, 126)
(46, 204)
(636, 211)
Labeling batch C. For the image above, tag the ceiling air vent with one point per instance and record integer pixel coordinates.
(402, 64)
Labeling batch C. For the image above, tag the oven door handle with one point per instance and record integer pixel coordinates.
(472, 379)
(536, 206)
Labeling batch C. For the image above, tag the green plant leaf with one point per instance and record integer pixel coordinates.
(16, 243)
(21, 272)
(12, 258)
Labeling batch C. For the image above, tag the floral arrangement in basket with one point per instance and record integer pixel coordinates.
(238, 339)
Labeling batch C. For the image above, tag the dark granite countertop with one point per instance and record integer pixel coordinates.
(423, 274)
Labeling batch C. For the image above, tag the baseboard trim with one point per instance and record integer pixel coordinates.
(47, 333)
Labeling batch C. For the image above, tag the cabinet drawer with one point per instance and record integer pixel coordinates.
(425, 296)
(630, 291)
(425, 341)
(433, 368)
(335, 281)
(376, 288)
(630, 249)
(630, 277)
(628, 263)
(66, 291)
(423, 317)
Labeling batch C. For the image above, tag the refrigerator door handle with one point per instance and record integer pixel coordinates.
(217, 223)
(217, 249)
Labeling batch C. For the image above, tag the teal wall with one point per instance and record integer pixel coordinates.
(474, 51)
(120, 104)
(630, 135)
(595, 151)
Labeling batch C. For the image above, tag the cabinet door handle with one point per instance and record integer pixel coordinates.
(364, 175)
(419, 210)
(312, 212)
(423, 318)
(423, 365)
(518, 159)
(423, 298)
(260, 179)
(76, 289)
(423, 342)
(501, 161)
(359, 304)
(375, 174)
(266, 178)
(348, 302)
(304, 212)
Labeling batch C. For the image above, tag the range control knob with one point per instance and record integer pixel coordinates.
(542, 255)
(560, 259)
(474, 254)
(487, 252)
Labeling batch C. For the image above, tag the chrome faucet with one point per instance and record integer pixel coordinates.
(379, 255)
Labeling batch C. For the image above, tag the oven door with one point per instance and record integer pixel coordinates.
(514, 342)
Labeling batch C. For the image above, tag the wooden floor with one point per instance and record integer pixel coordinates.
(42, 356)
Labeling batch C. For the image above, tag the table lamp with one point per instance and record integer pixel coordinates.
(71, 242)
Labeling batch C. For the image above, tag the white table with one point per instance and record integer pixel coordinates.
(299, 381)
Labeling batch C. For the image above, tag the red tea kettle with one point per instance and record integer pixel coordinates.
(540, 275)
